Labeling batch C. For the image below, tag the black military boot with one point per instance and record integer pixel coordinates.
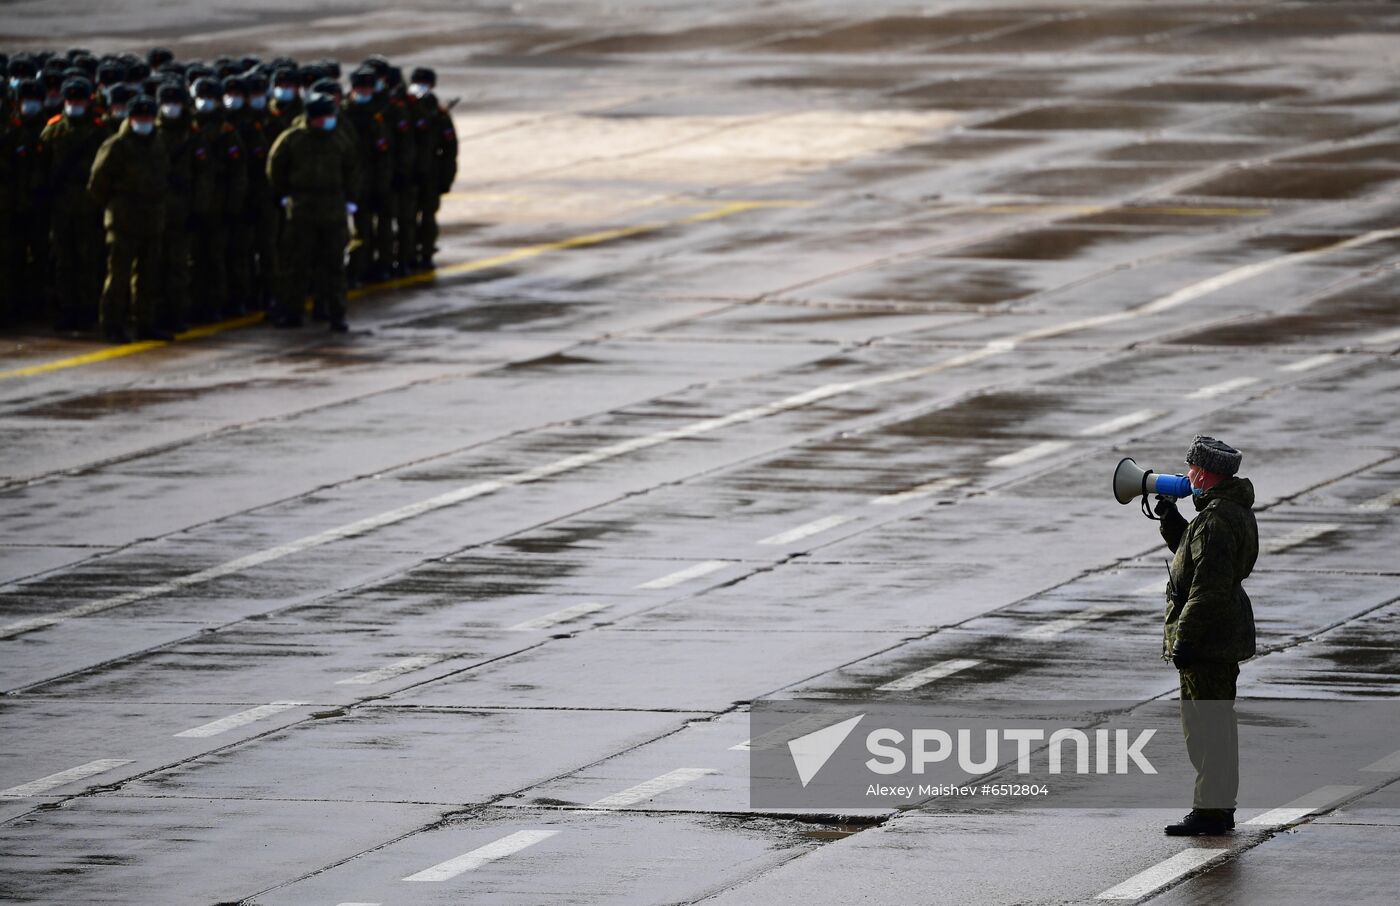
(1200, 823)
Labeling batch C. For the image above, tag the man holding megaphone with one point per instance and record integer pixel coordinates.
(1209, 624)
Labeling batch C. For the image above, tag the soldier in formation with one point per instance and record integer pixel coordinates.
(141, 195)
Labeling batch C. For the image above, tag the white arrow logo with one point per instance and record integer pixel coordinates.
(810, 752)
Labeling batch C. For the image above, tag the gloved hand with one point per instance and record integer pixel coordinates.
(351, 208)
(285, 201)
(1182, 658)
(1165, 505)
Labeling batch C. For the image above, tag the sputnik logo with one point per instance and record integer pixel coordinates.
(811, 752)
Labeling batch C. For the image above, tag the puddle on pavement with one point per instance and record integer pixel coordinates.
(1087, 116)
(979, 92)
(1377, 153)
(1206, 93)
(697, 38)
(966, 146)
(892, 33)
(1355, 311)
(1084, 182)
(1048, 244)
(1295, 125)
(556, 360)
(1163, 151)
(1288, 181)
(984, 415)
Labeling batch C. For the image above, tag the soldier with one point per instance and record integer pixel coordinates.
(129, 180)
(1209, 625)
(117, 100)
(228, 187)
(286, 101)
(189, 191)
(403, 184)
(243, 212)
(263, 209)
(313, 174)
(23, 220)
(68, 145)
(372, 249)
(437, 156)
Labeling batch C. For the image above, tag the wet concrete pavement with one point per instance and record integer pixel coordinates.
(779, 351)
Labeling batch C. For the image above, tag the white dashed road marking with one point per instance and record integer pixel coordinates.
(482, 855)
(1303, 806)
(389, 671)
(695, 429)
(62, 778)
(653, 788)
(1163, 873)
(921, 678)
(1309, 364)
(1211, 391)
(815, 527)
(1121, 423)
(1390, 764)
(1065, 624)
(685, 575)
(563, 615)
(1028, 454)
(224, 724)
(924, 490)
(1383, 502)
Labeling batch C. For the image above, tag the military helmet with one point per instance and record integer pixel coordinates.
(363, 78)
(256, 83)
(159, 56)
(235, 85)
(22, 68)
(328, 87)
(393, 76)
(424, 76)
(29, 90)
(111, 73)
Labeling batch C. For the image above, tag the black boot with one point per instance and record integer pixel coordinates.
(338, 325)
(1200, 823)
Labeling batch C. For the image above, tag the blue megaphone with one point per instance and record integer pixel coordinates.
(1131, 481)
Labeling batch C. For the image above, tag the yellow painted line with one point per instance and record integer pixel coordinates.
(465, 267)
(1101, 209)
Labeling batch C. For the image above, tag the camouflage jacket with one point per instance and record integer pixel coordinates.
(1208, 613)
(316, 170)
(130, 179)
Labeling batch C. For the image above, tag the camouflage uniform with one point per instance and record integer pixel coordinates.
(437, 161)
(372, 250)
(67, 148)
(317, 171)
(249, 214)
(1209, 626)
(228, 187)
(403, 187)
(189, 191)
(130, 178)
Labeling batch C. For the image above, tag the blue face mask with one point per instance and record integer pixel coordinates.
(205, 105)
(30, 107)
(258, 102)
(328, 124)
(361, 98)
(75, 110)
(234, 101)
(143, 127)
(14, 83)
(283, 95)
